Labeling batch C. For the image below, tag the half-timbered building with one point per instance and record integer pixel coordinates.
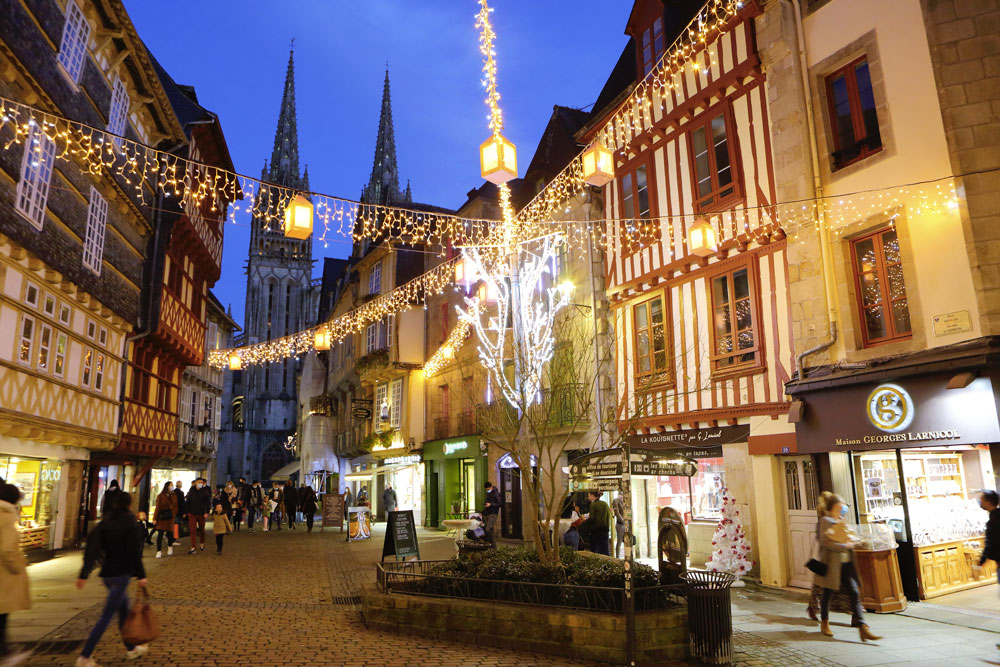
(703, 334)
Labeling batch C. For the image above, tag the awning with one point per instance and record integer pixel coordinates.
(287, 471)
(365, 475)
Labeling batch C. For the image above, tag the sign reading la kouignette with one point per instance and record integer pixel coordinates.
(913, 412)
(695, 443)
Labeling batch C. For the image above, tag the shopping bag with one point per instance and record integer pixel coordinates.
(141, 626)
(177, 531)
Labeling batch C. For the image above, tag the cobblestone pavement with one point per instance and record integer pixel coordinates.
(291, 598)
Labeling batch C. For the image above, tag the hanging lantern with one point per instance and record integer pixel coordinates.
(598, 165)
(498, 159)
(322, 340)
(235, 363)
(299, 218)
(702, 240)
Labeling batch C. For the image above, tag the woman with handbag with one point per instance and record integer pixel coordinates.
(164, 514)
(834, 563)
(115, 543)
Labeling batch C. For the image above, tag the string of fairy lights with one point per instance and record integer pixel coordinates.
(146, 170)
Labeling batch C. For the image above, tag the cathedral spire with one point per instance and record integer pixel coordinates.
(285, 155)
(383, 186)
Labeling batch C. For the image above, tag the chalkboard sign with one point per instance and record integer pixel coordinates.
(333, 511)
(401, 536)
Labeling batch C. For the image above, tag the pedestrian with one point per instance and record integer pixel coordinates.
(389, 500)
(115, 543)
(348, 497)
(254, 504)
(836, 552)
(491, 510)
(165, 512)
(277, 499)
(990, 501)
(199, 504)
(618, 507)
(220, 526)
(243, 501)
(147, 532)
(571, 538)
(232, 492)
(363, 497)
(182, 519)
(599, 517)
(307, 502)
(15, 594)
(109, 495)
(291, 503)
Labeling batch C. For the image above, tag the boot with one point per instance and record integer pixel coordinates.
(866, 634)
(812, 614)
(824, 627)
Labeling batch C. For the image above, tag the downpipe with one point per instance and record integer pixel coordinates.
(800, 358)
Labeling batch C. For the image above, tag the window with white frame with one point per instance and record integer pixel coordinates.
(44, 346)
(73, 47)
(395, 403)
(91, 329)
(390, 322)
(27, 340)
(102, 337)
(118, 113)
(371, 338)
(207, 412)
(65, 314)
(217, 422)
(380, 401)
(97, 221)
(50, 305)
(31, 294)
(375, 278)
(59, 363)
(99, 372)
(36, 174)
(213, 336)
(88, 367)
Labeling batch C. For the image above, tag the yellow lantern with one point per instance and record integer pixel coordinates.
(322, 340)
(498, 159)
(235, 363)
(598, 165)
(299, 218)
(702, 240)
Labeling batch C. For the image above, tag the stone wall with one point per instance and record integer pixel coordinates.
(662, 636)
(964, 37)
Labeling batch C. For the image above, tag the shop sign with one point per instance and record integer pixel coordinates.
(695, 443)
(333, 511)
(919, 412)
(361, 413)
(414, 458)
(452, 447)
(401, 536)
(952, 323)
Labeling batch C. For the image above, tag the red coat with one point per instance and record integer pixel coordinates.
(165, 501)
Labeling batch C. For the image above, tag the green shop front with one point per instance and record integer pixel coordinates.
(454, 474)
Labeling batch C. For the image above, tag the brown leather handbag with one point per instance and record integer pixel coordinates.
(141, 626)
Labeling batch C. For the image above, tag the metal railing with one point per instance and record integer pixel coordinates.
(417, 578)
(442, 427)
(560, 405)
(466, 422)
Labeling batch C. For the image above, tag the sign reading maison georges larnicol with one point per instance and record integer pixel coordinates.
(696, 443)
(912, 412)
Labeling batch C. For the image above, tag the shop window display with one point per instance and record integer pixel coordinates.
(38, 480)
(698, 497)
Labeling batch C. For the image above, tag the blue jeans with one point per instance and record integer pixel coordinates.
(571, 538)
(117, 602)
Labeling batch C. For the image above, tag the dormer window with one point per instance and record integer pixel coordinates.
(651, 45)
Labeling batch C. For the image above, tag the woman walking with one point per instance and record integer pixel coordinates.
(115, 543)
(164, 514)
(14, 592)
(308, 505)
(836, 557)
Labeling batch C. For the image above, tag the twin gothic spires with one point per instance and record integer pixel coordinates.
(383, 186)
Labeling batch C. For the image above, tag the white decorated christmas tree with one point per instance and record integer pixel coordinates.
(730, 547)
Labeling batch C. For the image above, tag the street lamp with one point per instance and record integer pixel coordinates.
(702, 240)
(299, 217)
(322, 339)
(235, 363)
(598, 165)
(498, 159)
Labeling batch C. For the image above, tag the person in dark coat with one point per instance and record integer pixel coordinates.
(491, 510)
(389, 500)
(182, 518)
(115, 543)
(163, 515)
(989, 501)
(254, 504)
(199, 504)
(291, 503)
(109, 495)
(307, 502)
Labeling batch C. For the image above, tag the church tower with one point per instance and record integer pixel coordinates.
(383, 186)
(279, 272)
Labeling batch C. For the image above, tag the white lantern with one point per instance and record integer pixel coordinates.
(235, 363)
(598, 165)
(498, 159)
(299, 218)
(702, 240)
(322, 340)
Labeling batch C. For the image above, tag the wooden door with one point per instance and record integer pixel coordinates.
(510, 493)
(801, 491)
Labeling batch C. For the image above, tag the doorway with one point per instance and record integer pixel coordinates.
(510, 492)
(800, 494)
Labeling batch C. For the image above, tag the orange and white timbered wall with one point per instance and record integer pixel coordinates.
(701, 339)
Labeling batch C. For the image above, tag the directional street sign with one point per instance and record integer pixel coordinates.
(596, 469)
(361, 413)
(595, 484)
(664, 468)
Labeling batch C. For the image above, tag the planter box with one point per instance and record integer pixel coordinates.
(661, 636)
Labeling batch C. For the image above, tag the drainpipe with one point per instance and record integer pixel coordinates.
(826, 252)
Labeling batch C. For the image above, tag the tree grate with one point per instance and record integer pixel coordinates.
(349, 599)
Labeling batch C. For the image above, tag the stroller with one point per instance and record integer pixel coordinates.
(477, 533)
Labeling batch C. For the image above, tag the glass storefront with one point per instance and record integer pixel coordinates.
(159, 476)
(38, 480)
(122, 473)
(698, 497)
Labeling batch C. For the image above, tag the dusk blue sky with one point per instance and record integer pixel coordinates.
(235, 52)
